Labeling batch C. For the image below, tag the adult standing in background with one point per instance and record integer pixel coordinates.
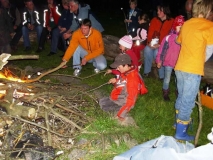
(80, 12)
(159, 27)
(15, 17)
(187, 11)
(31, 22)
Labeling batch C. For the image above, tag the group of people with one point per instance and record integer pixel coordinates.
(49, 22)
(182, 43)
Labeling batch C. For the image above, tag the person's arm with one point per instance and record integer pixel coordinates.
(18, 18)
(72, 47)
(209, 52)
(158, 59)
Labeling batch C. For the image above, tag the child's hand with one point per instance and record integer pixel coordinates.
(108, 72)
(158, 65)
(112, 81)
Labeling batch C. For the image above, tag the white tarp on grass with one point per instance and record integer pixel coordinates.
(167, 148)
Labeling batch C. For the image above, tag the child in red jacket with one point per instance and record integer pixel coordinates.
(126, 88)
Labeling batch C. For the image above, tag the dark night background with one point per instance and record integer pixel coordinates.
(107, 5)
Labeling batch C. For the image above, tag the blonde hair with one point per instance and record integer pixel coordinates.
(202, 8)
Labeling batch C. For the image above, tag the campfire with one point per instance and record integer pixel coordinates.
(37, 117)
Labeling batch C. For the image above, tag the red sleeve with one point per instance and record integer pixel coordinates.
(152, 29)
(116, 72)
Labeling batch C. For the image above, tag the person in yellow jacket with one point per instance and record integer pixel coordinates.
(196, 40)
(86, 43)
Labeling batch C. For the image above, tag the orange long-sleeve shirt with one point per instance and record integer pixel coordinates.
(93, 44)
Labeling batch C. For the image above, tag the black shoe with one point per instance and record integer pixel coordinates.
(39, 50)
(51, 53)
(27, 49)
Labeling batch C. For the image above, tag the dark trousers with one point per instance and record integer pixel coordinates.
(17, 36)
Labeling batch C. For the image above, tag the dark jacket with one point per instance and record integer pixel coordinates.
(133, 26)
(14, 14)
(6, 28)
(66, 18)
(35, 15)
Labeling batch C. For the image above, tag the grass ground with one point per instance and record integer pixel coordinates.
(153, 116)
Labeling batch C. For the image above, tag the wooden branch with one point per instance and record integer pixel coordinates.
(35, 124)
(16, 57)
(49, 137)
(48, 72)
(200, 109)
(63, 117)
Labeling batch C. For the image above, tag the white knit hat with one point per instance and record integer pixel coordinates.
(126, 41)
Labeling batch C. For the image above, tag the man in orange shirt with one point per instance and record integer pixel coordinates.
(86, 43)
(196, 41)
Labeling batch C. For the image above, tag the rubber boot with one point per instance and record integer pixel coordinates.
(181, 131)
(166, 95)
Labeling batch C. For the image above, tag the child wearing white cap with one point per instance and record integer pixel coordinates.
(125, 45)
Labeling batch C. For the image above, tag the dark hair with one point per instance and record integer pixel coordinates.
(144, 16)
(165, 9)
(86, 22)
(133, 1)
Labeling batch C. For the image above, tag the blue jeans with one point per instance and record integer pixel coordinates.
(188, 87)
(25, 33)
(167, 76)
(55, 39)
(98, 62)
(150, 55)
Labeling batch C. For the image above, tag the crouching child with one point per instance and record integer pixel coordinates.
(126, 88)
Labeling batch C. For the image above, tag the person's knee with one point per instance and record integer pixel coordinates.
(101, 65)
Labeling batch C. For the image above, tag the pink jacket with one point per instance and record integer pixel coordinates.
(171, 54)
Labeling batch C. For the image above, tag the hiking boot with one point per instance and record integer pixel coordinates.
(77, 72)
(166, 95)
(96, 70)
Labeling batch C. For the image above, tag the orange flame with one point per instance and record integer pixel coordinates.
(7, 74)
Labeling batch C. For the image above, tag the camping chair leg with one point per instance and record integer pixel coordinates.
(200, 109)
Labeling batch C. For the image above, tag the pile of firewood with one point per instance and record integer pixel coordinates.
(47, 114)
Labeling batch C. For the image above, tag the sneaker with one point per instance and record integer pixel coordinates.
(77, 72)
(96, 70)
